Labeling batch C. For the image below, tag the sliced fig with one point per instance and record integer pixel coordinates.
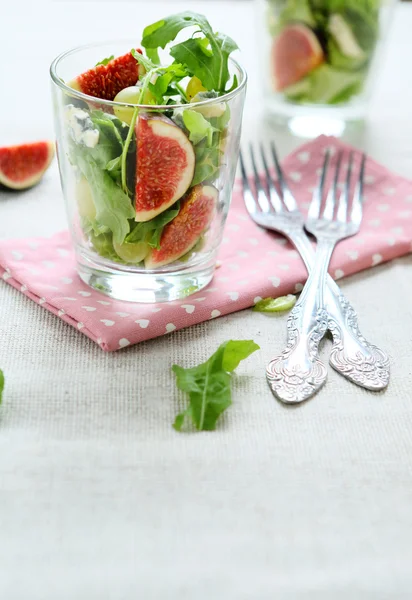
(296, 51)
(180, 235)
(106, 81)
(23, 166)
(165, 165)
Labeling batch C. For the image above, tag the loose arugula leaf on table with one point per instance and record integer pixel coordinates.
(280, 304)
(105, 61)
(1, 384)
(206, 57)
(209, 384)
(151, 231)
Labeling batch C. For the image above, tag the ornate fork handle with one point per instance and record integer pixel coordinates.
(298, 373)
(352, 355)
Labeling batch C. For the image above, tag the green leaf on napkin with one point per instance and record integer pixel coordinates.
(1, 384)
(208, 384)
(275, 304)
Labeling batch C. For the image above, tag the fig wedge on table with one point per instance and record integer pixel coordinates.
(180, 235)
(165, 163)
(23, 166)
(296, 51)
(107, 80)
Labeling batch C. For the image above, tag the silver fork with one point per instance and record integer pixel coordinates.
(355, 358)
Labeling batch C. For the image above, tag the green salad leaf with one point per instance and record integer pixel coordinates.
(198, 127)
(1, 384)
(206, 56)
(271, 305)
(209, 384)
(113, 206)
(290, 11)
(105, 61)
(151, 231)
(208, 161)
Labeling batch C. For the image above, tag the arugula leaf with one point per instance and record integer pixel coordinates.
(113, 206)
(208, 160)
(142, 60)
(198, 127)
(1, 384)
(105, 61)
(280, 304)
(206, 57)
(151, 231)
(209, 383)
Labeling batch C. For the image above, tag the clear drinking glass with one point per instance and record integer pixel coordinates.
(320, 59)
(138, 235)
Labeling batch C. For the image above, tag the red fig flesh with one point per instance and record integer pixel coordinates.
(165, 165)
(181, 234)
(296, 51)
(106, 81)
(23, 166)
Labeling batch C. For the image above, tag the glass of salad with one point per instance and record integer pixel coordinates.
(148, 142)
(319, 58)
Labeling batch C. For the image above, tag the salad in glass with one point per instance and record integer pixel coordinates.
(320, 52)
(147, 145)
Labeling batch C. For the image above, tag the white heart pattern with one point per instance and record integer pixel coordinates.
(104, 302)
(215, 313)
(233, 295)
(170, 327)
(353, 254)
(123, 342)
(89, 308)
(304, 157)
(376, 259)
(295, 176)
(17, 255)
(143, 323)
(298, 287)
(123, 314)
(189, 308)
(66, 280)
(80, 325)
(256, 299)
(83, 293)
(107, 322)
(339, 274)
(275, 281)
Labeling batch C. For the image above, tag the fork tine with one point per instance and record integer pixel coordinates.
(250, 202)
(287, 195)
(356, 212)
(261, 193)
(315, 205)
(342, 215)
(331, 197)
(273, 194)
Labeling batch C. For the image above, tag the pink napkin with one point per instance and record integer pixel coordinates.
(254, 263)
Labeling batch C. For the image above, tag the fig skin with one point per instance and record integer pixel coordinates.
(180, 235)
(165, 164)
(296, 51)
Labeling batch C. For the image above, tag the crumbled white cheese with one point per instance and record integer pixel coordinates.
(81, 126)
(344, 37)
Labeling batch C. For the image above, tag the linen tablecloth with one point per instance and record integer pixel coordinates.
(100, 499)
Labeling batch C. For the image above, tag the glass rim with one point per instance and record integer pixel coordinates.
(82, 96)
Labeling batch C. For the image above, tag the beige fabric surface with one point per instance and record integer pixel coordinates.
(101, 499)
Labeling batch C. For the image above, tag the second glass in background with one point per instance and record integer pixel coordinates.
(320, 59)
